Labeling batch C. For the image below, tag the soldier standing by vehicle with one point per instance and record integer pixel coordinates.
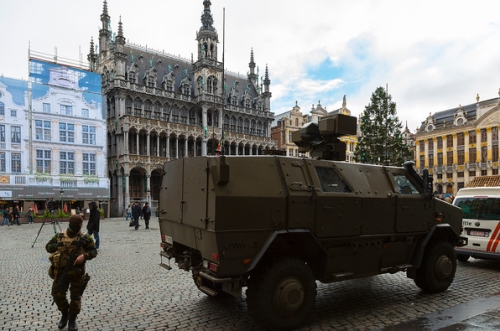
(70, 250)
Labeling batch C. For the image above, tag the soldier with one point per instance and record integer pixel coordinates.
(70, 250)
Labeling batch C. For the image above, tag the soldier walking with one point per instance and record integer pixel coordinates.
(70, 250)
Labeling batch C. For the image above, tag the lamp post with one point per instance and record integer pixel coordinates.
(61, 192)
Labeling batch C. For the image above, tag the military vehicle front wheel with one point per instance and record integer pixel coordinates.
(282, 294)
(438, 268)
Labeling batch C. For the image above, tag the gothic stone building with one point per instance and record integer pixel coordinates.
(161, 107)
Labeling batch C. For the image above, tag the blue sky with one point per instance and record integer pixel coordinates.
(432, 54)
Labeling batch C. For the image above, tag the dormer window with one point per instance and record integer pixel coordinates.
(131, 77)
(151, 81)
(185, 86)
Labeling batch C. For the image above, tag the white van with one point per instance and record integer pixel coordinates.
(481, 222)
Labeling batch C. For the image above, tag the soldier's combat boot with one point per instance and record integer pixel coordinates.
(63, 321)
(72, 323)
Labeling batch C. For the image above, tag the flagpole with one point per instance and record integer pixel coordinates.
(222, 151)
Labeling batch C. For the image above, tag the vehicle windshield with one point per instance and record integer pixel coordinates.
(479, 208)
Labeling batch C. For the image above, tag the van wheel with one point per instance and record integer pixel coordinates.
(438, 268)
(462, 258)
(281, 295)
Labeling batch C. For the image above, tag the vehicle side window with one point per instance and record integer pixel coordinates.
(331, 181)
(479, 208)
(404, 185)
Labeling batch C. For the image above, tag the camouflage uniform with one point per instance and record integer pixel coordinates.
(68, 243)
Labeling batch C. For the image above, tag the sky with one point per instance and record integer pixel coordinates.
(432, 55)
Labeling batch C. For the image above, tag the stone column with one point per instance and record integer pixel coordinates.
(205, 133)
(127, 190)
(157, 145)
(148, 150)
(177, 147)
(168, 145)
(137, 141)
(125, 142)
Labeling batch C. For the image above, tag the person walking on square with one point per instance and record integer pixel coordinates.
(136, 213)
(129, 212)
(146, 214)
(15, 215)
(6, 215)
(30, 215)
(93, 224)
(70, 249)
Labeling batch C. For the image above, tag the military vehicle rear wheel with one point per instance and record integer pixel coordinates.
(462, 258)
(438, 268)
(281, 295)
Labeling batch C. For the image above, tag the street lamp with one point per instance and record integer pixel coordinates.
(61, 192)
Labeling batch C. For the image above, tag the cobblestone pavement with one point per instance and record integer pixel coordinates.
(130, 291)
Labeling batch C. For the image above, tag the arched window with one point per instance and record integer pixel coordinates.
(240, 125)
(184, 115)
(259, 128)
(137, 107)
(246, 126)
(233, 124)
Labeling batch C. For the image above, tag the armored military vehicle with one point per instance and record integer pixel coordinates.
(275, 225)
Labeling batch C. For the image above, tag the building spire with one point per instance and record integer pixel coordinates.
(92, 57)
(105, 17)
(251, 65)
(207, 20)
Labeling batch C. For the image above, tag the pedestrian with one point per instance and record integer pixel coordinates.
(70, 250)
(30, 215)
(6, 216)
(129, 212)
(15, 215)
(136, 213)
(146, 214)
(93, 224)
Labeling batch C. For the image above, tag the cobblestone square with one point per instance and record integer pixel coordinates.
(128, 289)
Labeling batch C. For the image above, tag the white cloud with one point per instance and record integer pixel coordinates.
(433, 55)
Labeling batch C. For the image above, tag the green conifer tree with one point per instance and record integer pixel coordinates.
(381, 140)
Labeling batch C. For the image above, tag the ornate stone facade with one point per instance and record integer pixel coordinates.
(459, 144)
(161, 107)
